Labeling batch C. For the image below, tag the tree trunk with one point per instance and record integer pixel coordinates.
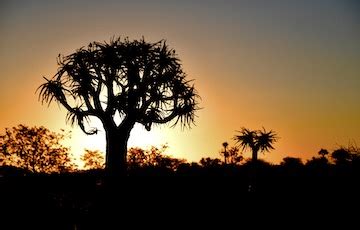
(253, 173)
(116, 150)
(254, 155)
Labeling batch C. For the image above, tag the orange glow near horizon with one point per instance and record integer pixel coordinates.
(251, 67)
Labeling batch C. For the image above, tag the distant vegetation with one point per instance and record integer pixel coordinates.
(35, 149)
(39, 150)
(37, 172)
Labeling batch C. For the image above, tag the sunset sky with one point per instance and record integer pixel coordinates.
(290, 66)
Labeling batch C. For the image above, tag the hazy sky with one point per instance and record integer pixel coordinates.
(290, 66)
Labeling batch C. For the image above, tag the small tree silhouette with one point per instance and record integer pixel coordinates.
(36, 149)
(341, 156)
(231, 155)
(122, 83)
(291, 163)
(137, 157)
(210, 162)
(225, 153)
(235, 156)
(256, 140)
(153, 157)
(323, 153)
(93, 159)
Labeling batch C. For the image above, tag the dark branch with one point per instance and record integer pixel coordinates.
(143, 81)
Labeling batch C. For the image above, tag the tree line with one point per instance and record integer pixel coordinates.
(53, 184)
(39, 150)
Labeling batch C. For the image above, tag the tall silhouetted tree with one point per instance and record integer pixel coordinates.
(36, 149)
(256, 140)
(122, 83)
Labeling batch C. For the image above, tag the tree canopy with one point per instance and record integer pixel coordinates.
(36, 149)
(256, 140)
(122, 83)
(141, 80)
(93, 159)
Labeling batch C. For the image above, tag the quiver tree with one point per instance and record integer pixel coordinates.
(130, 81)
(256, 140)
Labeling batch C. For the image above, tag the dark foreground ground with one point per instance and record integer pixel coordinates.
(85, 201)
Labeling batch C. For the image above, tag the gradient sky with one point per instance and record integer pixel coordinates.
(291, 66)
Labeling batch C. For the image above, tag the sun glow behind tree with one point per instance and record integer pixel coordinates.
(292, 66)
(139, 137)
(122, 83)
